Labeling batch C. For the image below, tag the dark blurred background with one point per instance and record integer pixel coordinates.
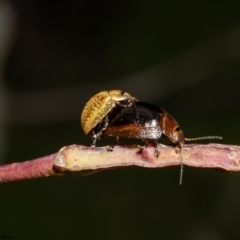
(183, 56)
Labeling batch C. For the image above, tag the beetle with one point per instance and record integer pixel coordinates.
(144, 121)
(94, 117)
(118, 114)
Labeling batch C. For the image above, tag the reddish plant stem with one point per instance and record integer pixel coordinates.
(82, 159)
(39, 167)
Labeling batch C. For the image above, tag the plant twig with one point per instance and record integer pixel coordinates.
(39, 167)
(77, 158)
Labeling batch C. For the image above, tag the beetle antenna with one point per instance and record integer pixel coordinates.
(193, 139)
(181, 170)
(179, 150)
(203, 138)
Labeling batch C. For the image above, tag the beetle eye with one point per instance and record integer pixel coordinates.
(177, 129)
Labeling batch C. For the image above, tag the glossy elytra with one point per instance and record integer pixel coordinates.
(94, 117)
(144, 121)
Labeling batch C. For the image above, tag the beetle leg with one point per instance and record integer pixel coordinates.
(156, 150)
(144, 145)
(94, 140)
(102, 127)
(179, 147)
(110, 147)
(98, 134)
(106, 120)
(117, 141)
(95, 137)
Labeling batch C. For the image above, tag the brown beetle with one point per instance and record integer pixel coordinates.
(147, 122)
(144, 121)
(94, 117)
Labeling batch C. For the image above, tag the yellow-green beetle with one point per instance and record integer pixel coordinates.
(94, 117)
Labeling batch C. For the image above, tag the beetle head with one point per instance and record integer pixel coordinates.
(172, 130)
(120, 96)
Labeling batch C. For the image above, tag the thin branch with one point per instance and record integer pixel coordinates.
(39, 167)
(82, 159)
